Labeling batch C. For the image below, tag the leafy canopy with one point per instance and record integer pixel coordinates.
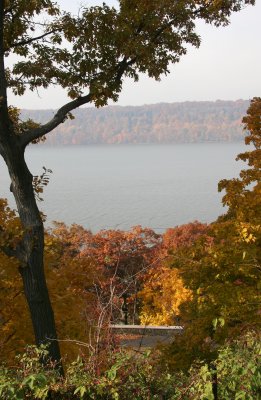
(95, 49)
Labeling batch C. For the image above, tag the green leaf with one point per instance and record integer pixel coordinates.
(214, 323)
(81, 390)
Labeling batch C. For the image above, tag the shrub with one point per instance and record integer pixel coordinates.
(137, 376)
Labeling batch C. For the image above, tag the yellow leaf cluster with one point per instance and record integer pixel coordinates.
(161, 297)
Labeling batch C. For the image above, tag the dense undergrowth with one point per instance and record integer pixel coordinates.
(235, 374)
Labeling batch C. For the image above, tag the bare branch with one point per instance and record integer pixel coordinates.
(61, 114)
(58, 119)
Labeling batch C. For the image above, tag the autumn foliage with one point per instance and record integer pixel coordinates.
(222, 268)
(62, 272)
(87, 274)
(164, 290)
(205, 277)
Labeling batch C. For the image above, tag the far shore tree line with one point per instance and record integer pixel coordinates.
(186, 122)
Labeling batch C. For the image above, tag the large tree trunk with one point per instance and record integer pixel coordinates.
(31, 253)
(32, 246)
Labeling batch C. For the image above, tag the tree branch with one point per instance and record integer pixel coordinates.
(61, 114)
(58, 118)
(31, 40)
(8, 251)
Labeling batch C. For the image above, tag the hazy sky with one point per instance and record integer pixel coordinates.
(226, 66)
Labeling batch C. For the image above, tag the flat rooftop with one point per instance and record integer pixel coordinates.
(144, 336)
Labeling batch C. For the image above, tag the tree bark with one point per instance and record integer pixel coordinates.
(31, 253)
(31, 250)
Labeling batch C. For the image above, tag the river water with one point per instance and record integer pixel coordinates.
(116, 187)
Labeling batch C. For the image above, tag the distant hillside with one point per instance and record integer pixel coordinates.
(158, 123)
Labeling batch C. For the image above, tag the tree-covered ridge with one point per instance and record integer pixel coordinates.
(186, 122)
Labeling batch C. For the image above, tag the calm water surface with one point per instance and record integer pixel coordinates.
(158, 186)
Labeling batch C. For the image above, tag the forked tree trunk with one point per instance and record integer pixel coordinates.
(31, 255)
